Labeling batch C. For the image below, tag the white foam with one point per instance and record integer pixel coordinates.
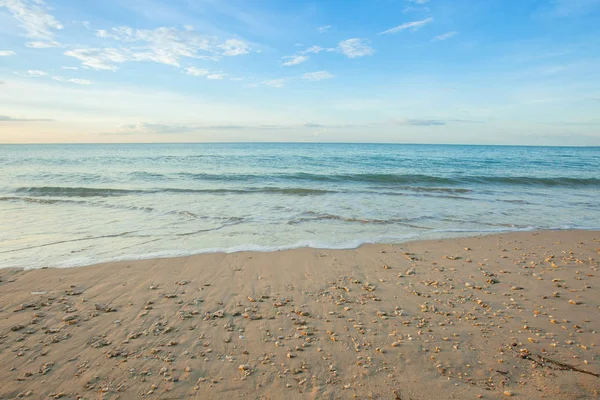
(314, 244)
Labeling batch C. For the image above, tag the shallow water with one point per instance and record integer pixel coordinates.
(67, 205)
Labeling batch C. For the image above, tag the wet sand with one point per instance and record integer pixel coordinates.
(510, 315)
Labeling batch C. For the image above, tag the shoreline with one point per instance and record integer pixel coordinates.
(429, 236)
(483, 315)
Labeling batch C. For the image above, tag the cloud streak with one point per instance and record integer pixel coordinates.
(99, 59)
(34, 18)
(313, 49)
(72, 80)
(172, 128)
(193, 71)
(168, 128)
(148, 127)
(216, 76)
(294, 60)
(42, 45)
(36, 73)
(6, 118)
(445, 36)
(414, 25)
(301, 56)
(422, 122)
(7, 53)
(309, 76)
(435, 122)
(278, 83)
(317, 76)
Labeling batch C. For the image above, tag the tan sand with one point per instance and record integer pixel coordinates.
(510, 315)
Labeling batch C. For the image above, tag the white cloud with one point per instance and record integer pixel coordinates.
(177, 128)
(355, 47)
(103, 33)
(100, 59)
(161, 45)
(70, 68)
(275, 82)
(7, 53)
(317, 76)
(193, 71)
(34, 18)
(216, 76)
(445, 36)
(36, 73)
(314, 49)
(72, 80)
(42, 45)
(414, 25)
(294, 60)
(323, 29)
(148, 127)
(234, 47)
(419, 1)
(301, 57)
(280, 82)
(80, 81)
(196, 71)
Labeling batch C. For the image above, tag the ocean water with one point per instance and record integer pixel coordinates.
(70, 205)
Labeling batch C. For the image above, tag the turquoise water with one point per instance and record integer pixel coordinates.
(68, 205)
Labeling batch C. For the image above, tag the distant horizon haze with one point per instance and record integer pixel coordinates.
(293, 143)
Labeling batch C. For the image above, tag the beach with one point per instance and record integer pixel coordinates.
(506, 315)
(320, 200)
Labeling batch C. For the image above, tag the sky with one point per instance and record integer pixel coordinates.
(523, 72)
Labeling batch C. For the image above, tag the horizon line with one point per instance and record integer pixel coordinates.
(282, 142)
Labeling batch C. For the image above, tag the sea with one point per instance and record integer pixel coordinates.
(76, 205)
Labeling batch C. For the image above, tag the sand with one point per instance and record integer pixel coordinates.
(510, 315)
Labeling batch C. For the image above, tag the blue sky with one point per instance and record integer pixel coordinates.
(408, 71)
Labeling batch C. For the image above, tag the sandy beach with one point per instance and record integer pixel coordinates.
(508, 315)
